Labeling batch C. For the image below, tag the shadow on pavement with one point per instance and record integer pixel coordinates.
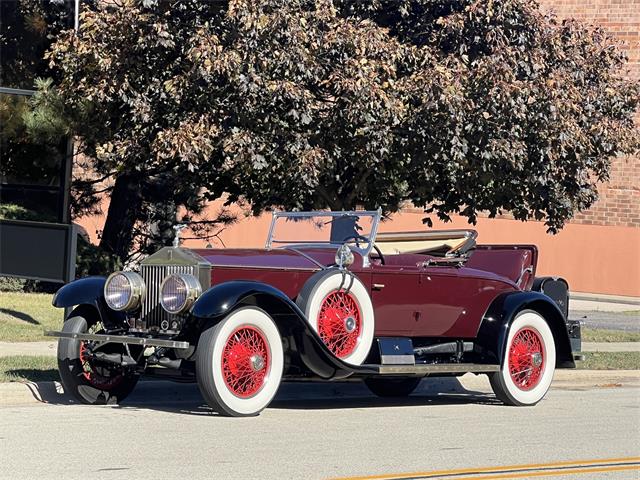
(34, 374)
(185, 399)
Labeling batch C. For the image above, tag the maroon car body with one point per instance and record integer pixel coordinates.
(390, 308)
(416, 300)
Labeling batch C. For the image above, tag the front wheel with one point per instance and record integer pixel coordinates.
(529, 362)
(239, 363)
(91, 382)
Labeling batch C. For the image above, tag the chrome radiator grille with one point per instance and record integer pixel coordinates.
(153, 316)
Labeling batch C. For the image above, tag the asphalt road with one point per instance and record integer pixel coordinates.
(316, 431)
(628, 321)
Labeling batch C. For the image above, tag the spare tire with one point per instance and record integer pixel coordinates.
(339, 309)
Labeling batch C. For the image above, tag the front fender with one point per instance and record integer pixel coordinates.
(88, 291)
(494, 329)
(85, 291)
(212, 306)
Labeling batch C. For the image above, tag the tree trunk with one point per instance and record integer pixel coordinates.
(123, 213)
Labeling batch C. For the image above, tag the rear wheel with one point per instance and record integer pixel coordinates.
(239, 363)
(90, 381)
(392, 387)
(529, 363)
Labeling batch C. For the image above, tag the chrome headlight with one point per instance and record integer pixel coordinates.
(124, 291)
(178, 292)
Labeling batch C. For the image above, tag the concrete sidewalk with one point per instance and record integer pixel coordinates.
(611, 346)
(10, 349)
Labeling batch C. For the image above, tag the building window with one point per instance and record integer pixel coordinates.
(33, 176)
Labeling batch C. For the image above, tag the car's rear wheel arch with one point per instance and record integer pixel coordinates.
(557, 325)
(491, 339)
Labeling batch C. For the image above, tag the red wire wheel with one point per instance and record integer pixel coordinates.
(94, 375)
(245, 361)
(340, 323)
(526, 358)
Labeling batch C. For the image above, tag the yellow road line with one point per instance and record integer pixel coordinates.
(557, 472)
(471, 471)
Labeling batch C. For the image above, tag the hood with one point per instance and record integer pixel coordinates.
(290, 258)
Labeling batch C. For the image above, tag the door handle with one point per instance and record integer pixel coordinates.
(378, 286)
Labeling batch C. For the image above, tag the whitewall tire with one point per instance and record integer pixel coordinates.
(239, 363)
(529, 361)
(339, 309)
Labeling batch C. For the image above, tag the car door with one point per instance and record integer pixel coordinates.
(396, 298)
(454, 300)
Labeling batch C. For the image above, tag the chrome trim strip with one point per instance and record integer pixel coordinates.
(398, 359)
(423, 369)
(149, 342)
(258, 267)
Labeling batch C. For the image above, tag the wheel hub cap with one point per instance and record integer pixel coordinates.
(257, 362)
(349, 324)
(536, 359)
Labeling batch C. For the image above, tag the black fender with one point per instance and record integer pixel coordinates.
(220, 300)
(88, 292)
(494, 329)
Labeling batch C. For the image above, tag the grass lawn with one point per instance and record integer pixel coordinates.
(598, 335)
(27, 368)
(610, 361)
(24, 316)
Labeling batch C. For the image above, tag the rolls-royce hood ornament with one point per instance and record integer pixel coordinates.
(178, 229)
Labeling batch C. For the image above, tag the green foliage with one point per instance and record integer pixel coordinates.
(11, 211)
(458, 106)
(92, 260)
(26, 32)
(9, 284)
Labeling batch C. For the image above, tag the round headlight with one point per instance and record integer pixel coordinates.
(178, 292)
(124, 291)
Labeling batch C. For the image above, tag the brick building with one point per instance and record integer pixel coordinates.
(619, 202)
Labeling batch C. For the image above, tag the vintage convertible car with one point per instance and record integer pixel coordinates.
(328, 298)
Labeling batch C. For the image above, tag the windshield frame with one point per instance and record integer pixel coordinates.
(375, 216)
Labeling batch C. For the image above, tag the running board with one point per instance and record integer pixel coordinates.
(427, 369)
(95, 337)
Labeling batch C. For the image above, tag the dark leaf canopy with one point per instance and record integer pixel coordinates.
(456, 106)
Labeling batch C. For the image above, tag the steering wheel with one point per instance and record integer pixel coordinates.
(361, 237)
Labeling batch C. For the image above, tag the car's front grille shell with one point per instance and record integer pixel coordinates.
(152, 315)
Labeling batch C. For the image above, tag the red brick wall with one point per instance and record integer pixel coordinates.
(619, 202)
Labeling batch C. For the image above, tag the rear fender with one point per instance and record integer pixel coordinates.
(88, 293)
(494, 329)
(220, 300)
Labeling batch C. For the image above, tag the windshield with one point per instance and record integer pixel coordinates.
(358, 228)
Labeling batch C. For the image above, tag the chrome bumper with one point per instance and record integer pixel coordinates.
(95, 337)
